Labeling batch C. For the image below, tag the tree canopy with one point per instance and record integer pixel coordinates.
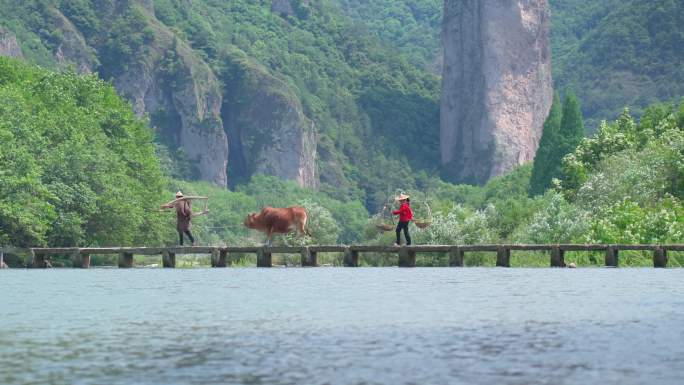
(78, 168)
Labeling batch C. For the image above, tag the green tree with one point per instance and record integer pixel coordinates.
(76, 166)
(563, 132)
(571, 129)
(542, 169)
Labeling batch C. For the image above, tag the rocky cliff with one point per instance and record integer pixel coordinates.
(9, 46)
(180, 92)
(169, 81)
(70, 48)
(269, 131)
(497, 87)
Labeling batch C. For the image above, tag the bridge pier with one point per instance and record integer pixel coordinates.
(659, 257)
(218, 258)
(351, 258)
(40, 260)
(81, 260)
(264, 258)
(309, 258)
(503, 257)
(169, 259)
(611, 256)
(557, 257)
(456, 257)
(224, 259)
(125, 260)
(407, 258)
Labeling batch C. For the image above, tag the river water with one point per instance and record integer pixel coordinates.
(342, 326)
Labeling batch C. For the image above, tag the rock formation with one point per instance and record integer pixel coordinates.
(171, 83)
(171, 80)
(496, 87)
(9, 46)
(269, 132)
(72, 48)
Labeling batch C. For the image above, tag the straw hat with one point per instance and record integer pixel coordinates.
(402, 197)
(179, 194)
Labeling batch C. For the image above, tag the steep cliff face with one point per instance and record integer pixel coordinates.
(71, 48)
(182, 96)
(167, 80)
(264, 119)
(497, 87)
(9, 46)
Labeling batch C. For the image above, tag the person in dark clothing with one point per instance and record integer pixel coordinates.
(183, 217)
(405, 216)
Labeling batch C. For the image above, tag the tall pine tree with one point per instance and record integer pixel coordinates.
(549, 141)
(572, 125)
(563, 131)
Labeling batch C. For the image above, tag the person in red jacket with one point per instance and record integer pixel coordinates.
(405, 216)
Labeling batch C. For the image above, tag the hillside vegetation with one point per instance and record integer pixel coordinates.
(79, 168)
(618, 53)
(411, 26)
(376, 113)
(612, 53)
(76, 166)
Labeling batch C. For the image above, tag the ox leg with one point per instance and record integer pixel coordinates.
(269, 237)
(304, 230)
(302, 227)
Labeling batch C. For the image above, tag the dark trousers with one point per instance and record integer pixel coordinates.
(190, 237)
(404, 226)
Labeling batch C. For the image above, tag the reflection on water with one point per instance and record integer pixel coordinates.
(342, 326)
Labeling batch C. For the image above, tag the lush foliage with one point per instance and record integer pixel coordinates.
(376, 113)
(542, 171)
(412, 26)
(622, 185)
(616, 53)
(613, 53)
(76, 166)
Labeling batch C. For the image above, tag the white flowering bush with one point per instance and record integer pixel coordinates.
(641, 177)
(556, 221)
(460, 226)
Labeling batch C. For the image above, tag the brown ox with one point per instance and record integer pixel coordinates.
(278, 220)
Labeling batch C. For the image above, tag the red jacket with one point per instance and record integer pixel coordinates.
(404, 212)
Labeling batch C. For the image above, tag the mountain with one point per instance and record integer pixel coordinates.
(338, 95)
(611, 53)
(290, 88)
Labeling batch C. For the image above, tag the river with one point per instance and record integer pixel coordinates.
(342, 326)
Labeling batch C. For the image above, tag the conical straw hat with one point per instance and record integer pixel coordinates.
(402, 197)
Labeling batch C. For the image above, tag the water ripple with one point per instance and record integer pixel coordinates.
(342, 326)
